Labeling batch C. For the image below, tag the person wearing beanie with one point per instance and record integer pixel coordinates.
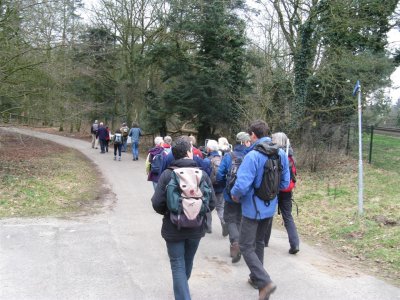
(232, 210)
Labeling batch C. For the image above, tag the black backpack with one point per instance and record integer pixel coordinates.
(232, 173)
(269, 187)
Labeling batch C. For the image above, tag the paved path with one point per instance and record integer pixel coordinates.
(119, 254)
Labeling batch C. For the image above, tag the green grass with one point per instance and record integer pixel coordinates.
(386, 152)
(328, 204)
(56, 185)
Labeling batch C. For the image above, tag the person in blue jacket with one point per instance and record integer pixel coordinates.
(256, 214)
(233, 210)
(135, 133)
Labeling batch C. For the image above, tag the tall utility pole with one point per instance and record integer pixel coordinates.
(357, 89)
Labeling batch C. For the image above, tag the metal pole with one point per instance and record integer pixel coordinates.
(360, 164)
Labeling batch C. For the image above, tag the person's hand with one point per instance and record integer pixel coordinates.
(235, 199)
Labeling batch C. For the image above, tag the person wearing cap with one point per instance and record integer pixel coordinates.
(233, 210)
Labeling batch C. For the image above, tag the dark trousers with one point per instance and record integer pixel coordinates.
(233, 217)
(119, 148)
(103, 145)
(251, 242)
(285, 207)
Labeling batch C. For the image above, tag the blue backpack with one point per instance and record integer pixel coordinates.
(156, 163)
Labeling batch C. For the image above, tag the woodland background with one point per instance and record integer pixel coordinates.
(203, 67)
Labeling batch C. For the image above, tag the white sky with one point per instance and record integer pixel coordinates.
(394, 92)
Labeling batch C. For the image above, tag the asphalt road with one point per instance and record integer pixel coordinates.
(119, 254)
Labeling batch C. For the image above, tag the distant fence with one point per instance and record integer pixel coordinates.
(380, 146)
(10, 118)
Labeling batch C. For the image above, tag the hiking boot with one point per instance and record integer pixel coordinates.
(235, 252)
(294, 250)
(266, 291)
(253, 284)
(225, 231)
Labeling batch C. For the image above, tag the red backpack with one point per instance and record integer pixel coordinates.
(293, 173)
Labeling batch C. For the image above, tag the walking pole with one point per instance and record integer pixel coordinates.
(287, 147)
(357, 89)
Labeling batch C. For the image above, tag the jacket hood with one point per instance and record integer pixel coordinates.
(239, 148)
(263, 139)
(184, 163)
(156, 150)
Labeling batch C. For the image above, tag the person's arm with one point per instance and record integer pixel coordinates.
(224, 167)
(204, 164)
(213, 199)
(159, 199)
(167, 161)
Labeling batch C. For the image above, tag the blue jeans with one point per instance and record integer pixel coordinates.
(251, 242)
(181, 255)
(135, 149)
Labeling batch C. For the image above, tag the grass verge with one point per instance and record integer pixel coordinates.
(328, 204)
(40, 178)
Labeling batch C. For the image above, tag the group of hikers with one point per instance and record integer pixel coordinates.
(101, 134)
(245, 184)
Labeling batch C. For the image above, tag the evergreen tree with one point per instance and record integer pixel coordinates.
(204, 69)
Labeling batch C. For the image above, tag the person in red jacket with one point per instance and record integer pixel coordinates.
(196, 152)
(285, 196)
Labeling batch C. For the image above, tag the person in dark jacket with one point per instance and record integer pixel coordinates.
(157, 149)
(211, 162)
(181, 243)
(102, 134)
(233, 210)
